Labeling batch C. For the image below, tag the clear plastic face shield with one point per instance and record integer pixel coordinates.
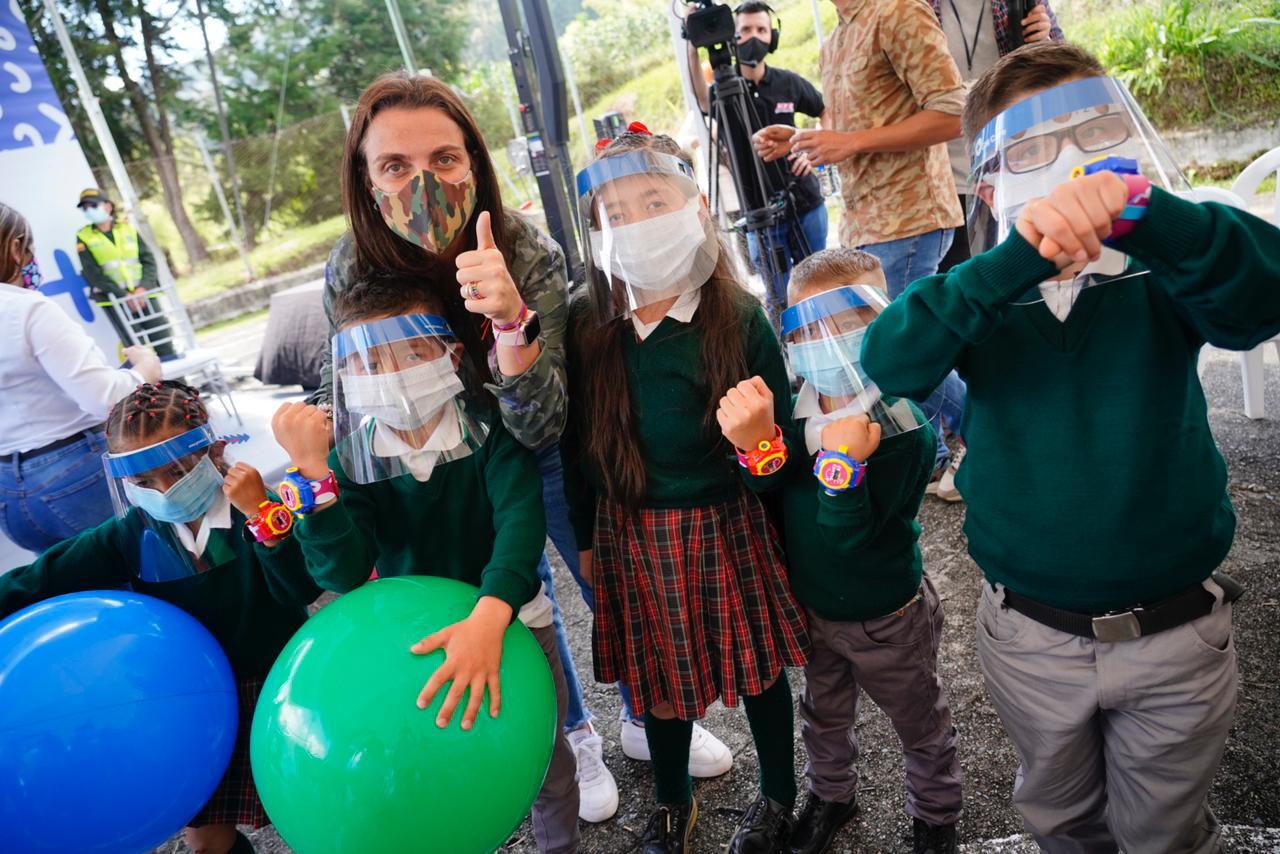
(647, 234)
(397, 398)
(823, 336)
(1052, 137)
(173, 482)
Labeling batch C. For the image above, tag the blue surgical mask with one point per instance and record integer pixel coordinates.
(31, 277)
(97, 215)
(185, 501)
(831, 364)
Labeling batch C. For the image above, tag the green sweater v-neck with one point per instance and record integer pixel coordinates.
(854, 556)
(1092, 481)
(686, 464)
(477, 519)
(250, 598)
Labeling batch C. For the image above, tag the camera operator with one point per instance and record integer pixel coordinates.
(776, 95)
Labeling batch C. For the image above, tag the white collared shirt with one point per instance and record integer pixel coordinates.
(420, 462)
(217, 516)
(54, 381)
(682, 310)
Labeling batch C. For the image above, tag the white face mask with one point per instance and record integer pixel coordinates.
(404, 400)
(653, 254)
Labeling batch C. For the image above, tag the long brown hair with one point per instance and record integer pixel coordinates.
(14, 228)
(377, 248)
(600, 370)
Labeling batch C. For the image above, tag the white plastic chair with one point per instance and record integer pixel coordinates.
(1252, 364)
(194, 363)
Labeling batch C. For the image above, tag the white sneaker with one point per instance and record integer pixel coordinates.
(597, 790)
(945, 486)
(708, 755)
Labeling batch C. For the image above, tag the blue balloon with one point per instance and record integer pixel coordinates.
(118, 714)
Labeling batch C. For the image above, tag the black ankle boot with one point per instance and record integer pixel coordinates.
(764, 829)
(818, 824)
(669, 828)
(934, 838)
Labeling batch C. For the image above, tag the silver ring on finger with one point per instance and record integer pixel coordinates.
(474, 291)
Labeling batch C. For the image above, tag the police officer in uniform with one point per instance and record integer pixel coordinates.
(117, 262)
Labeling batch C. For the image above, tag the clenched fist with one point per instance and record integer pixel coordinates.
(746, 414)
(857, 434)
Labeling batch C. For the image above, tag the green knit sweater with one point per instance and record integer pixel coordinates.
(1092, 480)
(477, 519)
(250, 598)
(854, 556)
(687, 464)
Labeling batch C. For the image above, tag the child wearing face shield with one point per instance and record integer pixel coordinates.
(849, 503)
(692, 602)
(1097, 501)
(424, 479)
(203, 536)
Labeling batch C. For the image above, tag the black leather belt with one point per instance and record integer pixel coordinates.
(52, 446)
(1128, 623)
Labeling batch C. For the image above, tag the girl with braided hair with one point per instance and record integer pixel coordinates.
(201, 535)
(57, 387)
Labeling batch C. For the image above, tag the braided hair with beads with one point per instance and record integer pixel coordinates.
(151, 408)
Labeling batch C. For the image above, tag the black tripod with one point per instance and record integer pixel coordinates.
(733, 122)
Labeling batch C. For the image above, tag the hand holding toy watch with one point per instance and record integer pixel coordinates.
(846, 445)
(746, 413)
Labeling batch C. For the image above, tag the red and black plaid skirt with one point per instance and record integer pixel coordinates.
(235, 801)
(692, 604)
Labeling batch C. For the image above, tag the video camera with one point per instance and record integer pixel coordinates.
(712, 27)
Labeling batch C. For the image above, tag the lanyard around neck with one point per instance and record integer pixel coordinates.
(970, 46)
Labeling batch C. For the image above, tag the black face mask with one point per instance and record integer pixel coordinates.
(752, 52)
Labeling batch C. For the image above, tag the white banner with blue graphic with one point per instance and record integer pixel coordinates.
(43, 170)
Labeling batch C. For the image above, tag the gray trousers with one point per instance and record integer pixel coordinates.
(1118, 742)
(555, 811)
(894, 659)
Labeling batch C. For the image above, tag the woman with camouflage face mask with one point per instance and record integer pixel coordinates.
(423, 199)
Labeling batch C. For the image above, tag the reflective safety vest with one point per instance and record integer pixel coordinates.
(117, 255)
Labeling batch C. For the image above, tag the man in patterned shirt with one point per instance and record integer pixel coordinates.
(893, 99)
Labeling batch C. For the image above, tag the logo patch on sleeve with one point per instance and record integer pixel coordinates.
(785, 107)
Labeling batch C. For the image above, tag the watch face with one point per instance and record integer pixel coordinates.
(835, 473)
(289, 495)
(279, 520)
(772, 464)
(532, 329)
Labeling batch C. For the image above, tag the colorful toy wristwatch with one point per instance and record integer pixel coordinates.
(302, 496)
(766, 457)
(838, 471)
(273, 522)
(1139, 189)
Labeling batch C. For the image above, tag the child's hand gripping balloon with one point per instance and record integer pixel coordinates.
(746, 413)
(486, 283)
(472, 657)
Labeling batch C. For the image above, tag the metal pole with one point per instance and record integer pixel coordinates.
(222, 202)
(115, 163)
(346, 116)
(817, 21)
(577, 103)
(397, 24)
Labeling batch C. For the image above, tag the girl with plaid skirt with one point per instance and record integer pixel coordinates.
(181, 535)
(692, 601)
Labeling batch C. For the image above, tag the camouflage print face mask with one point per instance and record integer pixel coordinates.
(428, 211)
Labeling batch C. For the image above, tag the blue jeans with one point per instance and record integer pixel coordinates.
(904, 261)
(798, 239)
(56, 495)
(562, 537)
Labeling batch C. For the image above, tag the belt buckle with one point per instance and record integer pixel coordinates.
(1117, 626)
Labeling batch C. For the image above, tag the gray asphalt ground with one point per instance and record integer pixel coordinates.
(1246, 793)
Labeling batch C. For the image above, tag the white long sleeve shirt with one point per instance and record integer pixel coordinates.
(54, 381)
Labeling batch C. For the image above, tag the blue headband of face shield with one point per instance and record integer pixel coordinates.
(638, 162)
(825, 304)
(162, 453)
(366, 336)
(1029, 112)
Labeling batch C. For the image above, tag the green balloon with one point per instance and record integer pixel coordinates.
(345, 761)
